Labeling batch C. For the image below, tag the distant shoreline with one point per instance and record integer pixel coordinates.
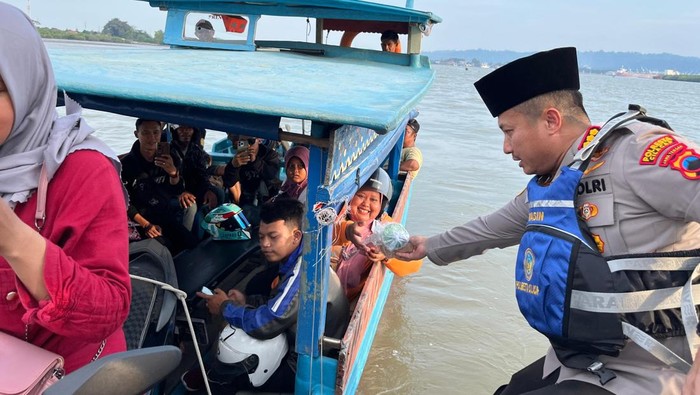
(682, 77)
(589, 61)
(678, 77)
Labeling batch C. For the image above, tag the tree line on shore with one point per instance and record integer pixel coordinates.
(115, 30)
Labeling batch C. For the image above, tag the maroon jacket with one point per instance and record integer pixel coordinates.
(86, 270)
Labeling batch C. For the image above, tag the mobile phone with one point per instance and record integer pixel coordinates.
(163, 148)
(207, 291)
(243, 145)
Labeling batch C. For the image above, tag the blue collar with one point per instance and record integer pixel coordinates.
(291, 261)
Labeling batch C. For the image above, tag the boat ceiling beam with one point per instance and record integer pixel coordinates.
(263, 126)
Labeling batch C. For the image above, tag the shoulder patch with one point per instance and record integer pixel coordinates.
(687, 162)
(656, 148)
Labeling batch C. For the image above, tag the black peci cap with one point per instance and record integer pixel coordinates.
(528, 77)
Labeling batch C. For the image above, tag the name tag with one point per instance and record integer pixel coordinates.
(595, 185)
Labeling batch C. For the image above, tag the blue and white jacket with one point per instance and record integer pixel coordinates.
(279, 313)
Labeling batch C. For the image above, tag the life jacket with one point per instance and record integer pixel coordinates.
(586, 303)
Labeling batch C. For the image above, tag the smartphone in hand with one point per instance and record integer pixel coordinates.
(163, 148)
(207, 291)
(242, 145)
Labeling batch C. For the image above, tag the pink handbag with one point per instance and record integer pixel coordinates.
(26, 369)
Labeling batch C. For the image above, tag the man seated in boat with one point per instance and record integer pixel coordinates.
(198, 190)
(252, 175)
(411, 156)
(152, 177)
(351, 258)
(266, 310)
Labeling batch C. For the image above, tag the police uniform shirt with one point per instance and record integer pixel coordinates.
(640, 194)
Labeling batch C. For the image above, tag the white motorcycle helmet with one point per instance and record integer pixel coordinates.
(259, 358)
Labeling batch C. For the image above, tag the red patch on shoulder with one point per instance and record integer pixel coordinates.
(588, 136)
(656, 148)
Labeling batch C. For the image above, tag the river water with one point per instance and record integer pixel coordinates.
(456, 329)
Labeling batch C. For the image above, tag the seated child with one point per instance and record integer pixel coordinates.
(351, 258)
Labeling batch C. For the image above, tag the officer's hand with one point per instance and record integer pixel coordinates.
(415, 249)
(692, 381)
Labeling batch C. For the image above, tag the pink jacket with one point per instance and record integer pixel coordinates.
(86, 269)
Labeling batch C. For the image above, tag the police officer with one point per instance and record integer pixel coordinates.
(639, 197)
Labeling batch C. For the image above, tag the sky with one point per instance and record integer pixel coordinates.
(650, 26)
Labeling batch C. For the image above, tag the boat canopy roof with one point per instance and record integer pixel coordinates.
(242, 92)
(320, 9)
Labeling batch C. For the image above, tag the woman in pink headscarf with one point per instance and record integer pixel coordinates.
(296, 163)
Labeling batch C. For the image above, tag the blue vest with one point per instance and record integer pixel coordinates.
(556, 256)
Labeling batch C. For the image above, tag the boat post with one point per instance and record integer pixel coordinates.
(315, 373)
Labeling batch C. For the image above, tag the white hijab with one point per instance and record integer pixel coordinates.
(38, 134)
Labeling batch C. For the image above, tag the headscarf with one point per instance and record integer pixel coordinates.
(38, 134)
(289, 187)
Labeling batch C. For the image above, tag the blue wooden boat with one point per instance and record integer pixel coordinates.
(357, 102)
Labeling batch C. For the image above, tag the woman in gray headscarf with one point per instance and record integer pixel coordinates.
(64, 281)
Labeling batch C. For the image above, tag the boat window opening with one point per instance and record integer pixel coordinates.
(208, 27)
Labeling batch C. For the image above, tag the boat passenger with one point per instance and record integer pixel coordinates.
(267, 310)
(390, 41)
(154, 183)
(198, 190)
(296, 163)
(204, 31)
(411, 156)
(639, 195)
(64, 276)
(351, 258)
(252, 175)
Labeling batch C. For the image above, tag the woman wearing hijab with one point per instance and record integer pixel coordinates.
(296, 163)
(64, 281)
